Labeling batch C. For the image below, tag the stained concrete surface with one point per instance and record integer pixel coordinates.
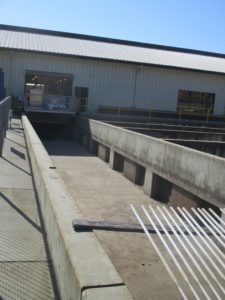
(104, 194)
(25, 266)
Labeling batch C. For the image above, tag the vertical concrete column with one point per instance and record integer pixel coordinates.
(1, 138)
(148, 181)
(111, 158)
(103, 152)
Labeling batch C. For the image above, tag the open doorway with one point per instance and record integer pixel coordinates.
(81, 94)
(49, 91)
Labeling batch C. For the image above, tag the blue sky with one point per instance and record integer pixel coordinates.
(186, 23)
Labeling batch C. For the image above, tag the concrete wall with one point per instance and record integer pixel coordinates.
(198, 173)
(80, 263)
(114, 83)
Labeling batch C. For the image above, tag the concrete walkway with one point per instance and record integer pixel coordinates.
(25, 267)
(104, 194)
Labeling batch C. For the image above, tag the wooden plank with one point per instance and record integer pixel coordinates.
(86, 225)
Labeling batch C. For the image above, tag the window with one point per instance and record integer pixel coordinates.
(51, 84)
(199, 102)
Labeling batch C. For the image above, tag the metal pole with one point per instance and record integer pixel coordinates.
(208, 243)
(196, 252)
(179, 114)
(159, 253)
(186, 263)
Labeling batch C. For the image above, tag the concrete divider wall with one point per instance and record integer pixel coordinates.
(199, 173)
(80, 263)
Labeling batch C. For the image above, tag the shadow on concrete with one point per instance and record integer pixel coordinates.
(11, 163)
(18, 153)
(65, 147)
(41, 229)
(15, 131)
(20, 212)
(16, 144)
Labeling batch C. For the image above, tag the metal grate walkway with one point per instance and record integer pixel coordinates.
(25, 266)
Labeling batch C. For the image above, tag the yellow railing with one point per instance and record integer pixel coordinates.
(82, 105)
(194, 111)
(182, 110)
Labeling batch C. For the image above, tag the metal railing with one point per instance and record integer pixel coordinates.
(51, 103)
(197, 255)
(82, 105)
(182, 111)
(5, 115)
(194, 111)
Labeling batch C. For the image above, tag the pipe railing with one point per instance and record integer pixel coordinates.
(5, 115)
(182, 111)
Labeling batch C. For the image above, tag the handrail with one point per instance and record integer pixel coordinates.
(5, 116)
(182, 110)
(51, 103)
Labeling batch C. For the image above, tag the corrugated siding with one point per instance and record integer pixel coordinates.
(113, 83)
(112, 51)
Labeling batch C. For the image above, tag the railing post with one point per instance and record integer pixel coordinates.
(149, 115)
(118, 113)
(207, 117)
(4, 119)
(1, 131)
(179, 114)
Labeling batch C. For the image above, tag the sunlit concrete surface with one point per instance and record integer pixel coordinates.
(104, 194)
(25, 266)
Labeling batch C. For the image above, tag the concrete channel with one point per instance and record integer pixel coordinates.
(74, 183)
(94, 173)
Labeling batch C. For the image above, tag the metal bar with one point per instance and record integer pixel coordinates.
(186, 263)
(207, 243)
(217, 225)
(197, 255)
(81, 225)
(216, 216)
(207, 226)
(176, 262)
(159, 254)
(4, 120)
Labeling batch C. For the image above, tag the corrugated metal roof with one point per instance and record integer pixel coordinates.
(102, 49)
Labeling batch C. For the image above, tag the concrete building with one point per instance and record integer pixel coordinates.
(60, 69)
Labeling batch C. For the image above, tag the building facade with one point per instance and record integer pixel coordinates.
(104, 82)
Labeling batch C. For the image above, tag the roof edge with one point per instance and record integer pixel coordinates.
(108, 40)
(126, 62)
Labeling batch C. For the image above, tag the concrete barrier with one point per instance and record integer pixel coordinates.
(198, 173)
(80, 263)
(5, 115)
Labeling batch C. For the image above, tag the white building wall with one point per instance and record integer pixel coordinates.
(113, 84)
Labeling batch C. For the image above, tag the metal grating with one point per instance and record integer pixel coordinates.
(195, 261)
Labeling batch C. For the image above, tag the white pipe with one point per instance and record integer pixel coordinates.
(181, 254)
(159, 253)
(208, 227)
(220, 229)
(171, 254)
(195, 252)
(187, 217)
